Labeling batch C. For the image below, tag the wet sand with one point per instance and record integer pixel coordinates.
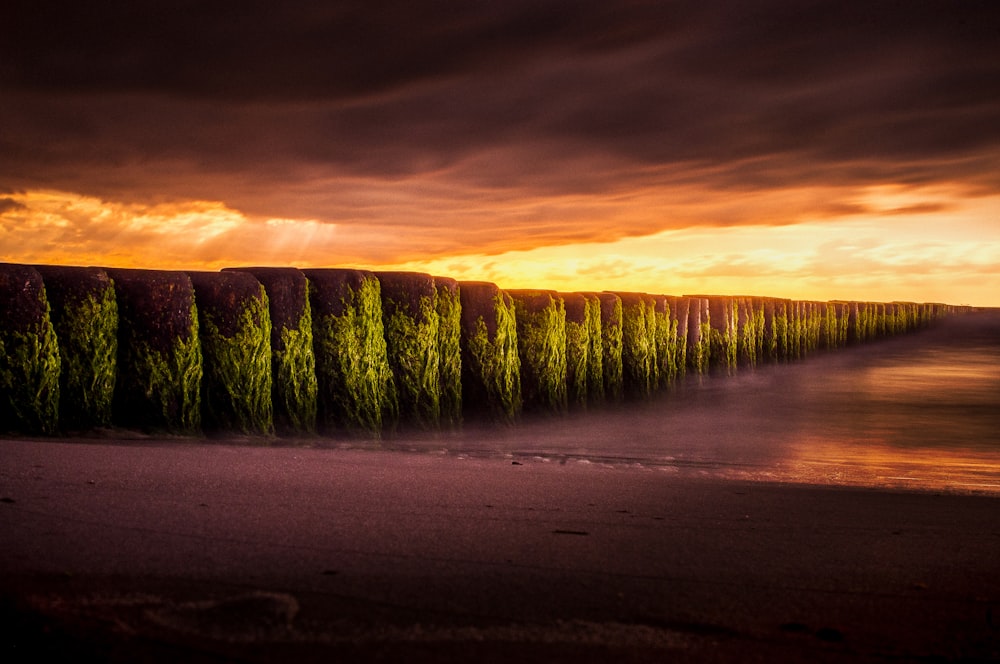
(179, 550)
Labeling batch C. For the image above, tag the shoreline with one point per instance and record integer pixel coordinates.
(260, 554)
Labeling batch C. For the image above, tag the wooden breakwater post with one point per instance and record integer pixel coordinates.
(449, 309)
(723, 332)
(84, 315)
(541, 342)
(491, 365)
(29, 354)
(664, 341)
(680, 308)
(747, 323)
(356, 391)
(596, 391)
(699, 335)
(234, 325)
(578, 348)
(293, 361)
(412, 325)
(639, 363)
(611, 346)
(159, 351)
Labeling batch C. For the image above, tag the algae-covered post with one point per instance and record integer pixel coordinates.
(159, 351)
(491, 366)
(782, 314)
(664, 341)
(769, 345)
(699, 335)
(611, 346)
(541, 343)
(234, 323)
(639, 369)
(410, 318)
(293, 362)
(449, 309)
(595, 351)
(29, 354)
(680, 308)
(828, 325)
(723, 337)
(357, 394)
(746, 331)
(577, 349)
(85, 318)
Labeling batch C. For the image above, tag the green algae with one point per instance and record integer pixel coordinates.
(665, 342)
(639, 364)
(169, 381)
(357, 394)
(780, 323)
(293, 368)
(541, 344)
(160, 365)
(237, 381)
(30, 364)
(29, 381)
(595, 348)
(85, 318)
(578, 348)
(491, 365)
(449, 349)
(723, 335)
(698, 335)
(412, 329)
(612, 346)
(293, 362)
(680, 314)
(746, 331)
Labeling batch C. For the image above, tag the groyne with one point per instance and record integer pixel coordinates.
(282, 352)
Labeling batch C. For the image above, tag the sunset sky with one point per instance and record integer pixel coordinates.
(785, 147)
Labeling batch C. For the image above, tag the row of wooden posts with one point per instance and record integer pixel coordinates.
(341, 351)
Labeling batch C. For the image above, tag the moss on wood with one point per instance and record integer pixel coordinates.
(491, 365)
(85, 319)
(29, 354)
(449, 310)
(699, 335)
(541, 344)
(611, 346)
(723, 337)
(665, 344)
(293, 361)
(357, 394)
(680, 308)
(578, 348)
(412, 327)
(159, 352)
(639, 368)
(235, 330)
(595, 349)
(746, 331)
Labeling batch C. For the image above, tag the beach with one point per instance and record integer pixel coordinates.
(160, 550)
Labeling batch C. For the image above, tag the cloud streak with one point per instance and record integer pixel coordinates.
(467, 127)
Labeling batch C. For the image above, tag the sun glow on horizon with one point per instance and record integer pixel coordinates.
(889, 244)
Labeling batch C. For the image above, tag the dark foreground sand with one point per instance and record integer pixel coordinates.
(175, 551)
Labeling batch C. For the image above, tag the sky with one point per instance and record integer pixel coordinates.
(791, 148)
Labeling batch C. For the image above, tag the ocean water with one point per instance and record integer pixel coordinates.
(918, 411)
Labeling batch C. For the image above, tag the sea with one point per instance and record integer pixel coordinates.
(918, 411)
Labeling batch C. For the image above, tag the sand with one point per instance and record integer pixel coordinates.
(177, 550)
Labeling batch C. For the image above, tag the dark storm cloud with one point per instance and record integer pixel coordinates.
(270, 106)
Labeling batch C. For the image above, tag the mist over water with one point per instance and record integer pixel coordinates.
(918, 411)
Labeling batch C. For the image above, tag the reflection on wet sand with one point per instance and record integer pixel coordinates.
(920, 412)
